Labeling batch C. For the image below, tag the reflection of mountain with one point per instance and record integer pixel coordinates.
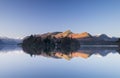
(9, 48)
(86, 52)
(103, 51)
(83, 52)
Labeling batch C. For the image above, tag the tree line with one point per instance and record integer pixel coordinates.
(36, 44)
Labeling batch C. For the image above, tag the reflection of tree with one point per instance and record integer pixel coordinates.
(118, 42)
(118, 50)
(35, 45)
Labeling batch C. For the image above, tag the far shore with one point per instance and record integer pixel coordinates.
(99, 46)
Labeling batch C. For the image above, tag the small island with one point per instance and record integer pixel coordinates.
(64, 43)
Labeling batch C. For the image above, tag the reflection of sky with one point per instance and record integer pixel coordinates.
(25, 17)
(22, 65)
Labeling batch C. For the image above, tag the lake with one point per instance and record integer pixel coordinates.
(87, 62)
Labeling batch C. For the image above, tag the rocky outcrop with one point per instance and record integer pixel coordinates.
(80, 35)
(63, 34)
(68, 33)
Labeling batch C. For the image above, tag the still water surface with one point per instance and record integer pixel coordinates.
(88, 63)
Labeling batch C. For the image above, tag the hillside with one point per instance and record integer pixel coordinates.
(9, 41)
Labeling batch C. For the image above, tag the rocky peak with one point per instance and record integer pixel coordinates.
(80, 35)
(63, 34)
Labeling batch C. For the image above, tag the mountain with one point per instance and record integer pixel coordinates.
(70, 34)
(63, 34)
(67, 33)
(9, 41)
(80, 35)
(105, 38)
(102, 39)
(83, 38)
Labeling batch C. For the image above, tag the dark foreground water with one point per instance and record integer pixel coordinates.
(86, 63)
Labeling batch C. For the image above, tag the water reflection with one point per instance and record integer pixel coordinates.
(83, 52)
(40, 67)
(10, 48)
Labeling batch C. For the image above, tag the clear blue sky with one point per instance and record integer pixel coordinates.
(19, 18)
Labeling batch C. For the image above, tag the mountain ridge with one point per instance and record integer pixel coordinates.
(80, 36)
(9, 41)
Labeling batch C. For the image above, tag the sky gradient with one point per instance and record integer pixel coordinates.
(19, 18)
